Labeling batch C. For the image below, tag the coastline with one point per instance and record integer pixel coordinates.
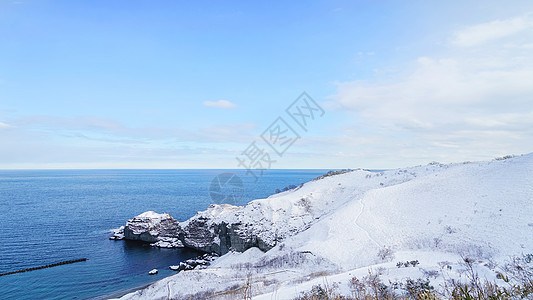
(436, 245)
(121, 293)
(113, 267)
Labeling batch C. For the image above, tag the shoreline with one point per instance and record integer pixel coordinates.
(440, 241)
(112, 269)
(121, 293)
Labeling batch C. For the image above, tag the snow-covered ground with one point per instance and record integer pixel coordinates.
(348, 225)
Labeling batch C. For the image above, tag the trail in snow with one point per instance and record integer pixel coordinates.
(360, 227)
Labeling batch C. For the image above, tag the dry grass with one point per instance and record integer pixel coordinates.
(518, 284)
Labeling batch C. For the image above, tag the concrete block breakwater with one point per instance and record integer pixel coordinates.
(47, 266)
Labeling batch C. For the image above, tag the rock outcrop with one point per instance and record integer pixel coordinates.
(223, 228)
(168, 242)
(118, 233)
(200, 262)
(219, 229)
(152, 227)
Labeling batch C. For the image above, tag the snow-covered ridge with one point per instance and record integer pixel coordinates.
(338, 225)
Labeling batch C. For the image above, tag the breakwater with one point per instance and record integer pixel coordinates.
(46, 266)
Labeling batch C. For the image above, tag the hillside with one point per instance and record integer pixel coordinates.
(340, 227)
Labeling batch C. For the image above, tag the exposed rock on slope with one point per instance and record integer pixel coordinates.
(218, 229)
(222, 228)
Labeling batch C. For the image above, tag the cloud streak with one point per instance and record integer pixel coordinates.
(104, 129)
(92, 142)
(483, 33)
(224, 104)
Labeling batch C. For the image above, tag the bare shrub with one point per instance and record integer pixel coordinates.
(437, 242)
(518, 279)
(333, 173)
(319, 292)
(505, 157)
(386, 253)
(305, 203)
(407, 264)
(292, 259)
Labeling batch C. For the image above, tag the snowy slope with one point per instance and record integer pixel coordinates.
(333, 229)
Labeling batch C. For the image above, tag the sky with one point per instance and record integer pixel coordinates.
(195, 84)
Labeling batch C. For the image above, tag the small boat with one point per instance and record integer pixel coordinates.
(153, 272)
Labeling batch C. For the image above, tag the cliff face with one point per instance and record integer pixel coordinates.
(219, 229)
(222, 228)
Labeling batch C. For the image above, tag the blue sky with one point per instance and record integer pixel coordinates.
(181, 84)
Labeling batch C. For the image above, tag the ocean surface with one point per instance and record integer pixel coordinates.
(49, 216)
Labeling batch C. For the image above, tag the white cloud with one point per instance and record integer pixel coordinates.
(486, 32)
(220, 104)
(477, 100)
(4, 125)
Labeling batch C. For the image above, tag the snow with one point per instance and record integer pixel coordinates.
(117, 230)
(334, 228)
(168, 242)
(152, 215)
(118, 233)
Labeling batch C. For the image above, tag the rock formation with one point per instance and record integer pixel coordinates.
(222, 228)
(152, 227)
(219, 229)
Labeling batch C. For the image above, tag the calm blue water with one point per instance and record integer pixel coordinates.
(56, 215)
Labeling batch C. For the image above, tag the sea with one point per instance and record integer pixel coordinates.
(50, 216)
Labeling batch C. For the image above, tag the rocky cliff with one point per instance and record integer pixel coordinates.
(221, 228)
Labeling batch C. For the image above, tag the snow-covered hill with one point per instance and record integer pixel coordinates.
(341, 226)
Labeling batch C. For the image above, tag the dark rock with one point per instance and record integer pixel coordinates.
(151, 227)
